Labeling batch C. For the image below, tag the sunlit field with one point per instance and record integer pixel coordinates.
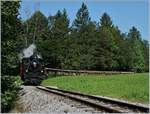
(132, 87)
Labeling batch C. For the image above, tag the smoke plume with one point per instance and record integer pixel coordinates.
(28, 52)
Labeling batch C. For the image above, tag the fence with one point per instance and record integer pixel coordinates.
(81, 72)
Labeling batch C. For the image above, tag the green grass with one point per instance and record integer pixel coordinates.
(132, 87)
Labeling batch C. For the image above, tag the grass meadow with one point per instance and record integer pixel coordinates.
(132, 87)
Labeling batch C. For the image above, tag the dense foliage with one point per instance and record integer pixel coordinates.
(9, 92)
(88, 44)
(10, 41)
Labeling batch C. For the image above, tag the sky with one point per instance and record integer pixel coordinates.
(124, 13)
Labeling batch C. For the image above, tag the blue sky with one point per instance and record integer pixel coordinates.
(124, 13)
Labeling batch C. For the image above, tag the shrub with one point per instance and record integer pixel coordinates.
(10, 87)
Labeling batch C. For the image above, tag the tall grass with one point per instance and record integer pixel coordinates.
(133, 87)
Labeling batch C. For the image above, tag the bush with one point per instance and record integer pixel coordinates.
(10, 86)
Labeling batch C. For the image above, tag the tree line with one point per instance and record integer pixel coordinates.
(86, 44)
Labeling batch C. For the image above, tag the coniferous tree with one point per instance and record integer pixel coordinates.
(118, 51)
(82, 17)
(55, 45)
(135, 55)
(106, 46)
(105, 20)
(83, 33)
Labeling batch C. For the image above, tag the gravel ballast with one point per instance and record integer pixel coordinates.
(33, 100)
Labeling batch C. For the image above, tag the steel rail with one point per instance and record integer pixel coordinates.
(130, 105)
(92, 104)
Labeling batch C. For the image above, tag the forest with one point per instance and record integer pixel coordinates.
(83, 44)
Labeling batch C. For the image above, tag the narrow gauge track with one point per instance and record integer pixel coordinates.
(109, 105)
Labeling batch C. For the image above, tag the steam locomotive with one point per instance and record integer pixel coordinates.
(32, 70)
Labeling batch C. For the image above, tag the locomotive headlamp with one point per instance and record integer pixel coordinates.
(34, 64)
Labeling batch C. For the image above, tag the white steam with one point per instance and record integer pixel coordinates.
(28, 52)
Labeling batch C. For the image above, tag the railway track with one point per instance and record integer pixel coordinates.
(101, 103)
